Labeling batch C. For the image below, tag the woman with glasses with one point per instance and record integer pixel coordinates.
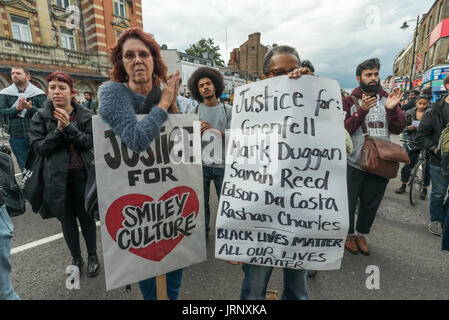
(137, 73)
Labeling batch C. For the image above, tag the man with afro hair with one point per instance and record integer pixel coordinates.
(206, 86)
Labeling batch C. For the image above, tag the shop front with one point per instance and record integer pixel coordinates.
(433, 78)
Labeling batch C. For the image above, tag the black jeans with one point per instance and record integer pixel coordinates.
(216, 175)
(407, 169)
(370, 189)
(74, 208)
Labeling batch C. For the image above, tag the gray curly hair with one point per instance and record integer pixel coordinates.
(277, 50)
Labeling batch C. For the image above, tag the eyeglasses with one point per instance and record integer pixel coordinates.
(131, 55)
(280, 72)
(426, 97)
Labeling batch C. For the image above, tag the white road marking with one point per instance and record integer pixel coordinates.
(40, 242)
(36, 243)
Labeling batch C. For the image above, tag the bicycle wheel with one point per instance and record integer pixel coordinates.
(416, 182)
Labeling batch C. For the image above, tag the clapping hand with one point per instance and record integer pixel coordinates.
(394, 98)
(63, 118)
(23, 104)
(368, 102)
(20, 106)
(170, 92)
(26, 104)
(174, 106)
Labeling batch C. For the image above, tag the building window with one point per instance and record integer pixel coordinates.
(430, 25)
(119, 8)
(21, 29)
(425, 61)
(440, 12)
(63, 3)
(68, 39)
(432, 56)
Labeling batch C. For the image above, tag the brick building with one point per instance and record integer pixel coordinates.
(66, 35)
(248, 58)
(431, 49)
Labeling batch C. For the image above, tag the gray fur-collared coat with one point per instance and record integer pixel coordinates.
(118, 106)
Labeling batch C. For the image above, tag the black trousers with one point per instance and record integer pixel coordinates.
(74, 209)
(407, 169)
(370, 189)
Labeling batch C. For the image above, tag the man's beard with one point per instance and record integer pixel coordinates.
(208, 96)
(19, 83)
(369, 88)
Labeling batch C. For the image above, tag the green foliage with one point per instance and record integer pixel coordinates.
(206, 47)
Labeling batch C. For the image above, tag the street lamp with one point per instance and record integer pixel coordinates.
(405, 27)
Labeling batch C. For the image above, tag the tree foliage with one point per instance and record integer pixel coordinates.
(206, 47)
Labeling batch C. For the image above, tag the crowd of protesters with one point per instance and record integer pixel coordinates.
(57, 128)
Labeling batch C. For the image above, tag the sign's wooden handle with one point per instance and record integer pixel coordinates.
(161, 287)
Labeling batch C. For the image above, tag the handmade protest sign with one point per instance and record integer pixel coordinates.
(284, 199)
(151, 204)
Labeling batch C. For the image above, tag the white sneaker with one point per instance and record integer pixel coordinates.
(435, 228)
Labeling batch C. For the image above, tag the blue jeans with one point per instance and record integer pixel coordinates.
(19, 147)
(256, 279)
(6, 229)
(174, 279)
(440, 182)
(215, 174)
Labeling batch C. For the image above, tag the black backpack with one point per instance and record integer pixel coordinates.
(12, 193)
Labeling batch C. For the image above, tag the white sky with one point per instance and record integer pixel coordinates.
(335, 35)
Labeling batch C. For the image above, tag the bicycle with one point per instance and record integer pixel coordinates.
(418, 176)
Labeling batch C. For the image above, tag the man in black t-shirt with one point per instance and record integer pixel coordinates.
(428, 136)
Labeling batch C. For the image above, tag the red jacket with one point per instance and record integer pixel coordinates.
(395, 117)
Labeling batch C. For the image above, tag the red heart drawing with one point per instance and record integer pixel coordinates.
(157, 250)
